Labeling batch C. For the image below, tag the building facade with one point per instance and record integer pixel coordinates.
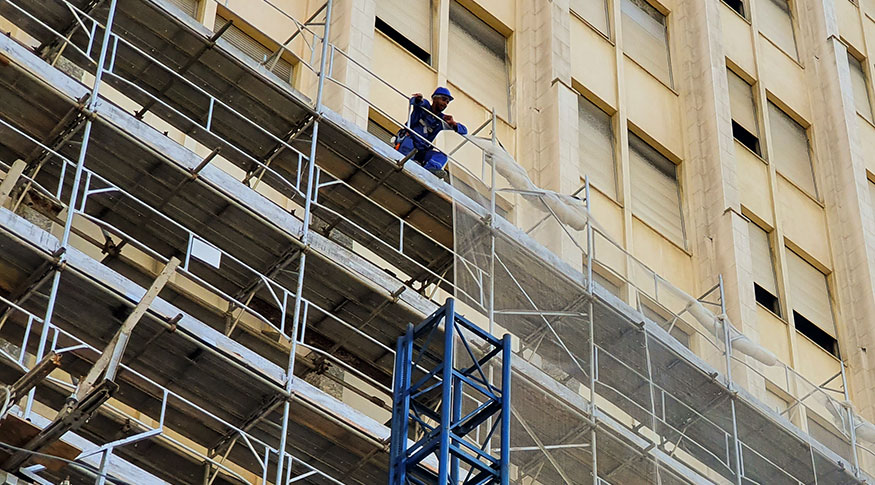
(722, 145)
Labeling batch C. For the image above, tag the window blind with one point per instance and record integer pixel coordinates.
(253, 48)
(477, 60)
(655, 192)
(861, 90)
(596, 147)
(809, 293)
(761, 258)
(377, 130)
(790, 151)
(872, 198)
(777, 24)
(741, 103)
(645, 38)
(595, 12)
(410, 18)
(189, 7)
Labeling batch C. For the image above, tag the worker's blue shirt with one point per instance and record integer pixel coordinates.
(427, 125)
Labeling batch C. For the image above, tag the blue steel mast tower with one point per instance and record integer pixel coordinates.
(437, 410)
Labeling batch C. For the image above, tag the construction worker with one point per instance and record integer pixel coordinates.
(427, 120)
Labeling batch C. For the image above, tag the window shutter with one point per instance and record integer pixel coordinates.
(655, 193)
(872, 198)
(253, 48)
(595, 12)
(777, 24)
(809, 293)
(410, 18)
(478, 59)
(742, 103)
(645, 38)
(861, 91)
(596, 147)
(761, 258)
(377, 130)
(790, 149)
(189, 7)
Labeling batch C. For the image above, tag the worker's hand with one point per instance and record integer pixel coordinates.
(450, 121)
(417, 98)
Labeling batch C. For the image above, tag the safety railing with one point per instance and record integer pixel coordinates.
(712, 338)
(155, 428)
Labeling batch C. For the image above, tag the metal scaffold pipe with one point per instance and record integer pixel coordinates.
(74, 195)
(305, 231)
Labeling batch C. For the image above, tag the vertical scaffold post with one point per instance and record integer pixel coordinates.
(445, 402)
(727, 343)
(305, 238)
(74, 193)
(590, 247)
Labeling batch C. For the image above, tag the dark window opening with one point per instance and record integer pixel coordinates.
(746, 138)
(818, 336)
(737, 5)
(403, 41)
(767, 299)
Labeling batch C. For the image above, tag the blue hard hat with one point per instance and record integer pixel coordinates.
(442, 91)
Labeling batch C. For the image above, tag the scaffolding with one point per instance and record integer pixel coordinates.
(431, 406)
(287, 221)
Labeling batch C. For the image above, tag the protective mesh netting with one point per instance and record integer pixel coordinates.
(547, 313)
(531, 271)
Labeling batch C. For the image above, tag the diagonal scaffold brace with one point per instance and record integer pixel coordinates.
(446, 405)
(99, 385)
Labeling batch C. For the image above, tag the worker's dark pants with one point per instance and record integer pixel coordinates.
(428, 157)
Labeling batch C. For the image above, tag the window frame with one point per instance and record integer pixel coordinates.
(774, 159)
(504, 112)
(667, 44)
(614, 193)
(631, 135)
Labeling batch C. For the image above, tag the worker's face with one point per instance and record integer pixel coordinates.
(440, 103)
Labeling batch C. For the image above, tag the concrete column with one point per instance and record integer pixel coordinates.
(547, 109)
(841, 173)
(716, 230)
(352, 31)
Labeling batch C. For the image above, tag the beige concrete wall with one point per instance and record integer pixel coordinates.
(554, 56)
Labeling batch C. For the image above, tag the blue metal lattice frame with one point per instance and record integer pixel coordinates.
(432, 406)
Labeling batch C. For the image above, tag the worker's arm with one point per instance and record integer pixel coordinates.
(456, 126)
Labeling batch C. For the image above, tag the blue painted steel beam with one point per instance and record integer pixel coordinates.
(436, 405)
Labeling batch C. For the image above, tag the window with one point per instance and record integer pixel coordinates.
(607, 284)
(872, 198)
(253, 48)
(738, 6)
(377, 130)
(744, 112)
(812, 310)
(790, 151)
(861, 89)
(655, 193)
(478, 59)
(764, 282)
(645, 38)
(595, 12)
(409, 23)
(596, 147)
(776, 402)
(188, 7)
(777, 24)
